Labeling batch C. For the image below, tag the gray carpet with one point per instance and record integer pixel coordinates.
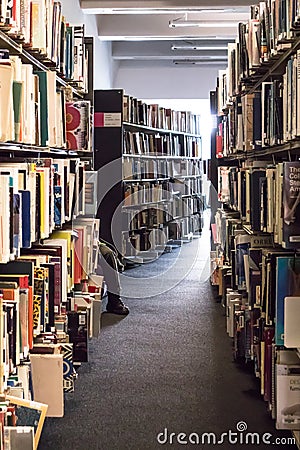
(168, 365)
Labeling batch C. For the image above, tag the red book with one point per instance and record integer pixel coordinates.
(22, 280)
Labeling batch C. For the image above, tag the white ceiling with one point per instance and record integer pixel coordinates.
(149, 31)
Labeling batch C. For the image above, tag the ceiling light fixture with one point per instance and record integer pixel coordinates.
(201, 24)
(198, 47)
(155, 10)
(199, 62)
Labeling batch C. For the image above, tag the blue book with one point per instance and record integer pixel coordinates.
(287, 285)
(57, 206)
(26, 219)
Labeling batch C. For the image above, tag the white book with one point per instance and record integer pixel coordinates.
(291, 322)
(4, 219)
(266, 86)
(47, 381)
(51, 95)
(278, 204)
(6, 102)
(28, 104)
(38, 32)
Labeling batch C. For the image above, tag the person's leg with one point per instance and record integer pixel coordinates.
(111, 275)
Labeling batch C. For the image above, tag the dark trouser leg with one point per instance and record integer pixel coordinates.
(111, 275)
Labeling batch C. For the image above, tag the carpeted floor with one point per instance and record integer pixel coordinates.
(166, 368)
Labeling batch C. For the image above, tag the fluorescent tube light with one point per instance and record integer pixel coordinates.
(195, 23)
(198, 47)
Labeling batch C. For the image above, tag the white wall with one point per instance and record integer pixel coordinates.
(149, 80)
(104, 69)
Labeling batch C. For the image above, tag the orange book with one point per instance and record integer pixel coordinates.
(10, 294)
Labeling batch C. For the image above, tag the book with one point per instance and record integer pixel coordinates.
(19, 437)
(291, 326)
(291, 205)
(6, 102)
(43, 88)
(29, 414)
(47, 381)
(78, 334)
(26, 218)
(287, 394)
(287, 285)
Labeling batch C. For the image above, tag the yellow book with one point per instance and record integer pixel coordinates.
(69, 236)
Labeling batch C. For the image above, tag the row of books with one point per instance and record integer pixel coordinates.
(152, 115)
(138, 194)
(277, 368)
(39, 25)
(139, 143)
(267, 198)
(137, 243)
(149, 215)
(271, 29)
(136, 168)
(258, 282)
(51, 305)
(151, 233)
(38, 197)
(34, 111)
(259, 120)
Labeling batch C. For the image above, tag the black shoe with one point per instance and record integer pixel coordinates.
(117, 308)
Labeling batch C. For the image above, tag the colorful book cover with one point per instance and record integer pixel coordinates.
(69, 372)
(287, 285)
(57, 206)
(36, 311)
(78, 125)
(291, 204)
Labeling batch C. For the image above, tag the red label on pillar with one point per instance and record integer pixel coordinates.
(98, 119)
